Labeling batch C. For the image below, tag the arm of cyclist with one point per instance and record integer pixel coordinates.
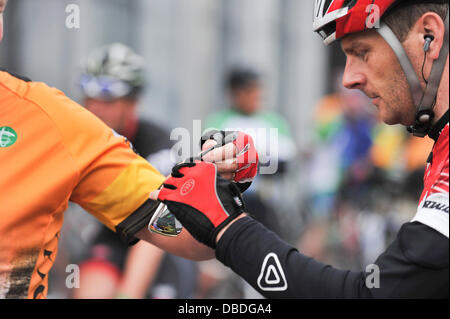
(141, 268)
(231, 163)
(415, 265)
(112, 182)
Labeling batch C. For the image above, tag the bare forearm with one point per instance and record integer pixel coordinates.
(140, 269)
(184, 245)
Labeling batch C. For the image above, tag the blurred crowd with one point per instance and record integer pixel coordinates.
(360, 181)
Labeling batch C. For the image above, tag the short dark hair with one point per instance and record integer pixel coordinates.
(241, 78)
(402, 19)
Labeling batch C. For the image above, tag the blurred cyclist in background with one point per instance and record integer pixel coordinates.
(246, 111)
(343, 123)
(112, 80)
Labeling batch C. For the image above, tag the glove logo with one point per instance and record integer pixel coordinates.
(272, 276)
(187, 187)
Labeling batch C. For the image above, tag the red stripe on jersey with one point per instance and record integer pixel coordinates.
(436, 178)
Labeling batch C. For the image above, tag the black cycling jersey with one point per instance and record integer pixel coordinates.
(415, 264)
(150, 138)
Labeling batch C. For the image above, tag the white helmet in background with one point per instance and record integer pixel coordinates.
(111, 72)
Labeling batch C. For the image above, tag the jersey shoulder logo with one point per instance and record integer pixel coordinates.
(433, 211)
(7, 136)
(272, 276)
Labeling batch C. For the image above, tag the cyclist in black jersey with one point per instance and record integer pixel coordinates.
(112, 80)
(397, 54)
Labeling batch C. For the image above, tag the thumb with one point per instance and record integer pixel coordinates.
(208, 144)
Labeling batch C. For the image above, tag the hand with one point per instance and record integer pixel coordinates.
(201, 200)
(236, 159)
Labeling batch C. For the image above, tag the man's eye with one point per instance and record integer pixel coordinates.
(362, 55)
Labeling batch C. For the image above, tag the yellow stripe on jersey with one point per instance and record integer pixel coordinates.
(126, 194)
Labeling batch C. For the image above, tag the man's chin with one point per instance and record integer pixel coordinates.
(390, 121)
(388, 118)
(395, 121)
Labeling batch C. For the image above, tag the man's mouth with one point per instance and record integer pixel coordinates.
(376, 100)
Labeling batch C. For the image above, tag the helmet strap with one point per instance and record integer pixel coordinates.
(423, 100)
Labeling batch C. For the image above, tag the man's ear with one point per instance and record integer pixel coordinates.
(432, 25)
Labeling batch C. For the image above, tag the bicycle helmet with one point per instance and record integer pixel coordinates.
(111, 72)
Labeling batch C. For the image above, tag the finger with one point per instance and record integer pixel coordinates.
(154, 195)
(227, 166)
(228, 151)
(228, 176)
(208, 144)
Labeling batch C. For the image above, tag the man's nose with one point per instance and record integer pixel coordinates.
(353, 77)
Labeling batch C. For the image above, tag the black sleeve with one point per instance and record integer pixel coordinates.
(415, 265)
(128, 228)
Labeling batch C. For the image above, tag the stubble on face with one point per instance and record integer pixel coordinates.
(397, 106)
(383, 76)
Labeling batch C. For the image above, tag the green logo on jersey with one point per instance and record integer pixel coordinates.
(7, 136)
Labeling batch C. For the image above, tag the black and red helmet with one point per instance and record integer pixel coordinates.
(333, 19)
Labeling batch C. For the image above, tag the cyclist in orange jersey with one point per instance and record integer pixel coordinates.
(54, 151)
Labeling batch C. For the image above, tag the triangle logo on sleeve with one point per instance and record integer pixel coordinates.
(272, 276)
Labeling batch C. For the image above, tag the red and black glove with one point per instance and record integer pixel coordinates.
(246, 154)
(201, 200)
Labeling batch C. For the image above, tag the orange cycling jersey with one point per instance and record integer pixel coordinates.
(52, 150)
